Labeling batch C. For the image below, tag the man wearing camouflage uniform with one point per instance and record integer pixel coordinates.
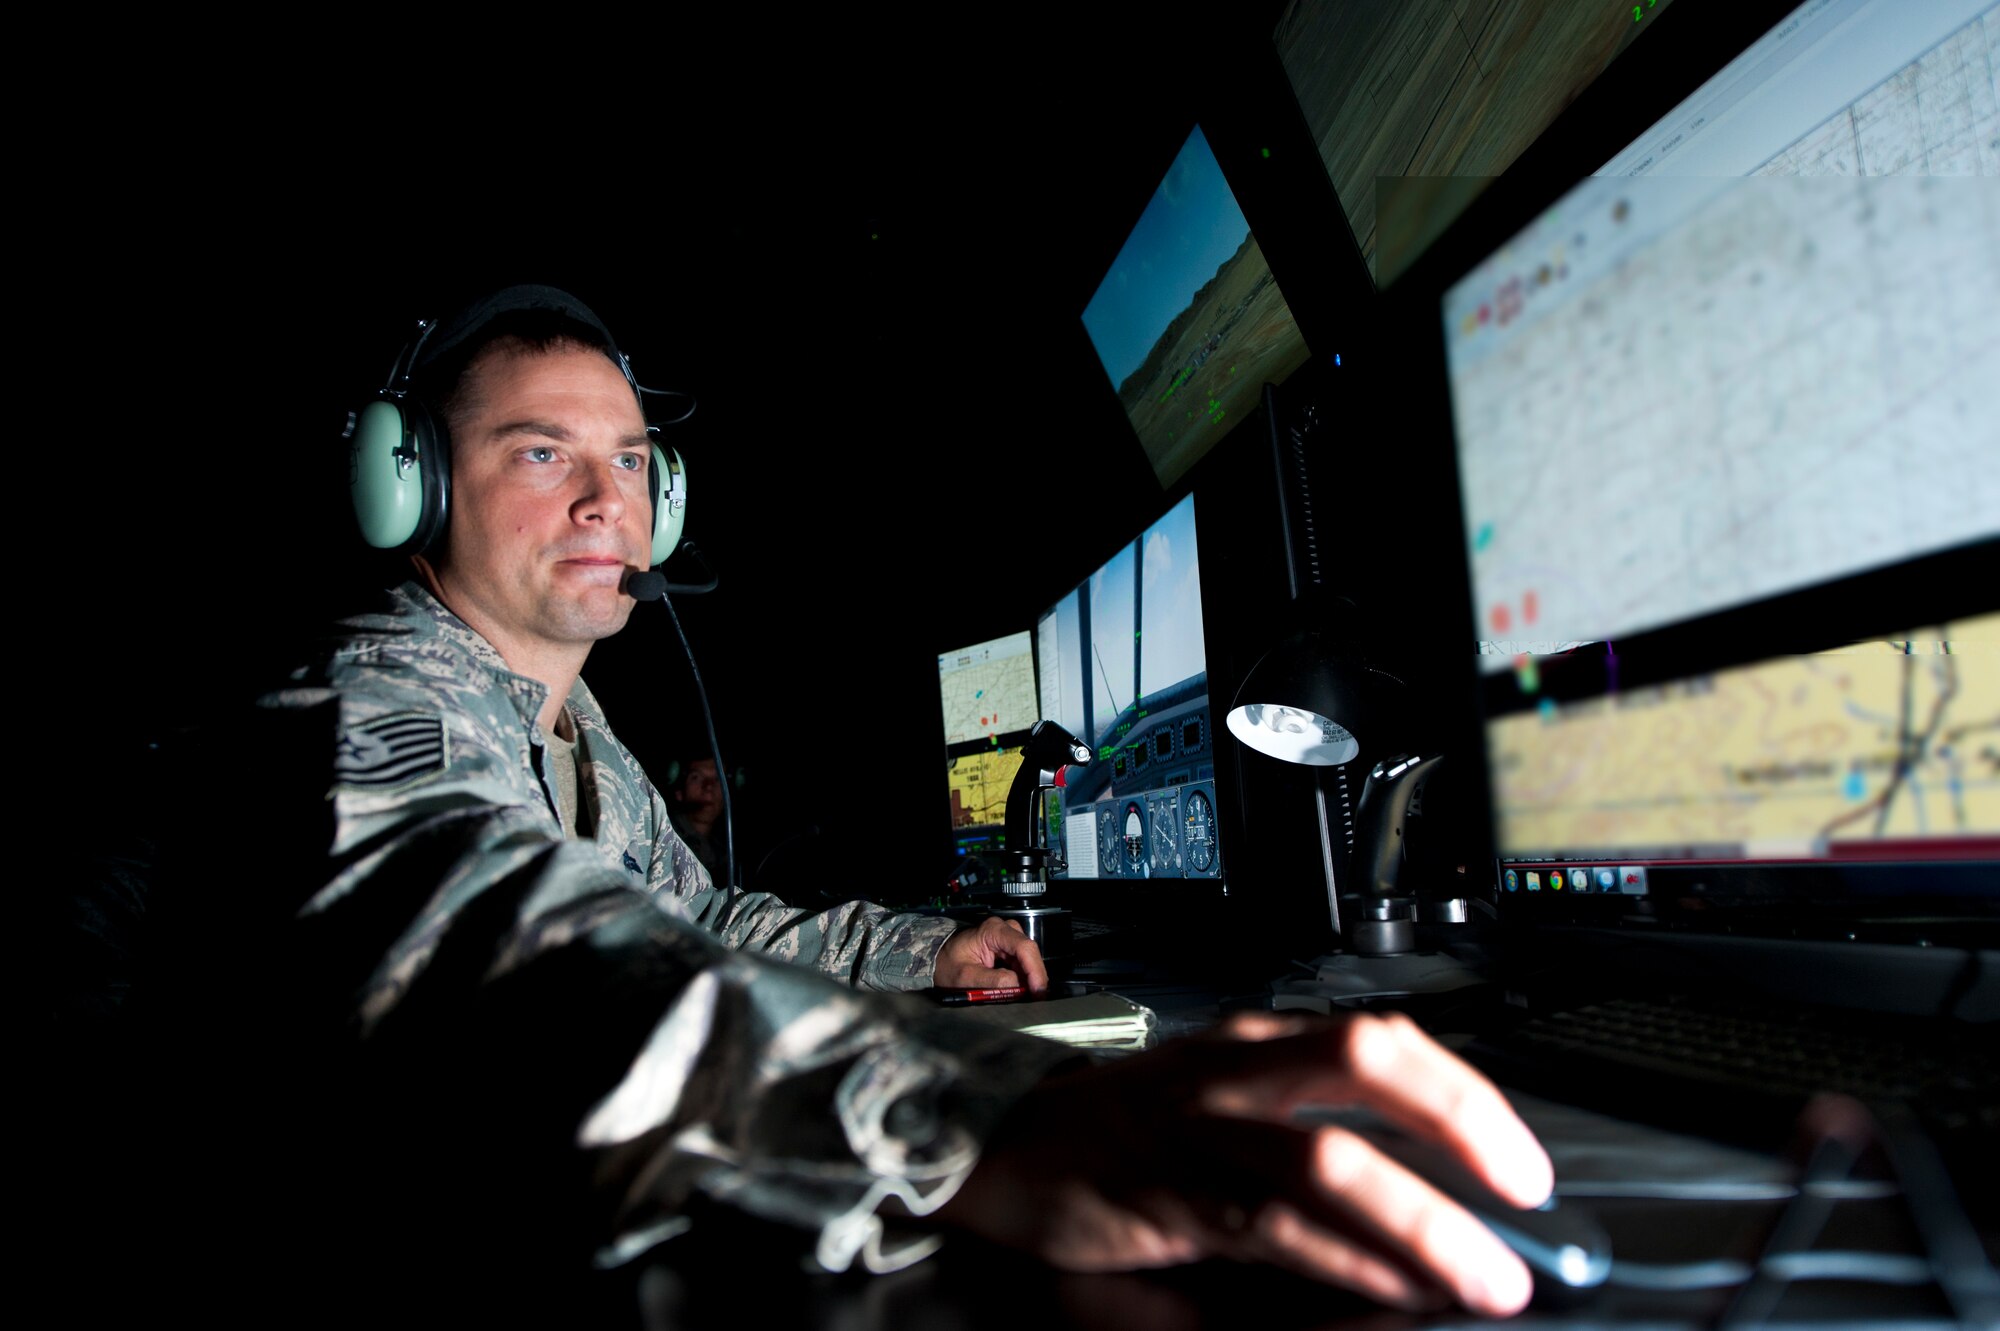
(472, 778)
(531, 975)
(431, 719)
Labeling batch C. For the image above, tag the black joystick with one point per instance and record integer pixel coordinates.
(1049, 749)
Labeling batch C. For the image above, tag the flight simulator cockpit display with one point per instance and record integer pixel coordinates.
(1123, 667)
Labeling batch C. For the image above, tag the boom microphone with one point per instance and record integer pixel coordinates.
(652, 585)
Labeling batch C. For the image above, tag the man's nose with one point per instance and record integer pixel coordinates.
(599, 498)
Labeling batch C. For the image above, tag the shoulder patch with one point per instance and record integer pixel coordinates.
(390, 752)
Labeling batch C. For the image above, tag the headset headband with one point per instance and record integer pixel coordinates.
(437, 341)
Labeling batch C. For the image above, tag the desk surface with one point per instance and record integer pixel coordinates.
(1680, 1210)
(1725, 1204)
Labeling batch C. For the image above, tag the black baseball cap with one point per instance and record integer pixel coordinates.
(446, 342)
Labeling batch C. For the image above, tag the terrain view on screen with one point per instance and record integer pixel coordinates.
(1189, 323)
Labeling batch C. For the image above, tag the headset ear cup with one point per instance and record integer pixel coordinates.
(434, 460)
(669, 501)
(398, 474)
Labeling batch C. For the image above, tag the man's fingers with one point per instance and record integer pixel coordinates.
(1414, 1081)
(971, 968)
(1026, 955)
(1006, 941)
(990, 955)
(1167, 1158)
(1329, 1205)
(1282, 1235)
(1437, 1236)
(1256, 1070)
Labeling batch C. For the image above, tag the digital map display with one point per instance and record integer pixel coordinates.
(988, 689)
(1678, 393)
(979, 783)
(1880, 741)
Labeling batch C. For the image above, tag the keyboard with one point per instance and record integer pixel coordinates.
(1727, 1058)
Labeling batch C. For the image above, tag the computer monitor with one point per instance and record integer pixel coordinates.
(1417, 108)
(977, 781)
(1124, 668)
(1727, 469)
(987, 694)
(1189, 323)
(988, 689)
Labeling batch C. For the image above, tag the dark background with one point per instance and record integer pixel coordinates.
(864, 245)
(865, 249)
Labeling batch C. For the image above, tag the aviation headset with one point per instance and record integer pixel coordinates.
(399, 454)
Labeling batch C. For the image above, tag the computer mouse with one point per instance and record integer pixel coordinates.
(1566, 1251)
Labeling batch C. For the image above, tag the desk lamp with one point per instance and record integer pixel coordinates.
(1313, 700)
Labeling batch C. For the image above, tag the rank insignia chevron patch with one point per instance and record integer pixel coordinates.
(390, 752)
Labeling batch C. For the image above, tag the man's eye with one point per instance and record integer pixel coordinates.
(631, 462)
(540, 453)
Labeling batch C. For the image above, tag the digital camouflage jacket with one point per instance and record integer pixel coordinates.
(694, 1037)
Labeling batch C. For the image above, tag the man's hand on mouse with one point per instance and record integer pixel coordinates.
(993, 954)
(1192, 1151)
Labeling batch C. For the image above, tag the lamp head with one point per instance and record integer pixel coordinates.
(1311, 701)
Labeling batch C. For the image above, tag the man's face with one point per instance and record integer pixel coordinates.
(701, 788)
(549, 501)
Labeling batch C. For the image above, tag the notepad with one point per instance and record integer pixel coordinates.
(1100, 1020)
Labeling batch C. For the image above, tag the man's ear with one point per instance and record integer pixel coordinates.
(428, 573)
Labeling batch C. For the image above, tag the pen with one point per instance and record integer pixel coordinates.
(960, 997)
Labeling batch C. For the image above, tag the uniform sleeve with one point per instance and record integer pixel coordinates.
(868, 946)
(774, 1092)
(865, 945)
(514, 999)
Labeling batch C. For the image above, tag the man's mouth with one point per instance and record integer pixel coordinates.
(594, 570)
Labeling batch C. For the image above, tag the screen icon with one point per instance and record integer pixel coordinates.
(1607, 879)
(1534, 881)
(1513, 881)
(1579, 880)
(1632, 880)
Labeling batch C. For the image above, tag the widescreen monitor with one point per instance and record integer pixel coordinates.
(1125, 668)
(1727, 468)
(1189, 323)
